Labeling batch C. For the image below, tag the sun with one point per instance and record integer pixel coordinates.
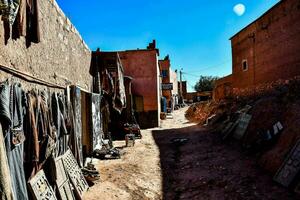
(239, 9)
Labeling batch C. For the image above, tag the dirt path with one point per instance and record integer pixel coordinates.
(198, 167)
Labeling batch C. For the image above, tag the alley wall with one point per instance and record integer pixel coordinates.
(142, 65)
(61, 57)
(271, 45)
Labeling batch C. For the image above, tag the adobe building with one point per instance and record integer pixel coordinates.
(198, 96)
(169, 83)
(142, 66)
(184, 89)
(166, 85)
(268, 49)
(174, 80)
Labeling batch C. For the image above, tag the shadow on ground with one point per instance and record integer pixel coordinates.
(196, 164)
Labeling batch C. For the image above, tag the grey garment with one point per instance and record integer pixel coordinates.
(15, 153)
(5, 179)
(59, 122)
(9, 10)
(4, 103)
(76, 100)
(96, 122)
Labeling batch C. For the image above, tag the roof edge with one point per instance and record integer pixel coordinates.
(261, 16)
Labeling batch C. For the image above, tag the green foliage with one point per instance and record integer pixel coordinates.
(205, 83)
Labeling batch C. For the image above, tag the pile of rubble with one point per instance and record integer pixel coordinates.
(265, 120)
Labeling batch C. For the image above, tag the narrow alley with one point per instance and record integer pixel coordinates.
(149, 100)
(182, 160)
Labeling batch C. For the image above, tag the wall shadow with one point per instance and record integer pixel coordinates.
(197, 164)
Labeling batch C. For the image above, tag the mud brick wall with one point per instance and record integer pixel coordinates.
(271, 46)
(223, 88)
(166, 65)
(61, 57)
(142, 66)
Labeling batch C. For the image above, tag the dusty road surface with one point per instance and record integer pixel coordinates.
(181, 160)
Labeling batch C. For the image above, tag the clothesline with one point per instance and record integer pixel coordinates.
(30, 78)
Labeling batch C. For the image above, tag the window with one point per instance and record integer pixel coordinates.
(164, 73)
(245, 65)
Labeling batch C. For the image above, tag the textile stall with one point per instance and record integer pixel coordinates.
(43, 133)
(116, 104)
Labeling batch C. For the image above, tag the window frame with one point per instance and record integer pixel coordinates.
(247, 66)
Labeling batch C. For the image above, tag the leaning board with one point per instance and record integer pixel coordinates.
(75, 174)
(40, 187)
(62, 181)
(290, 167)
(242, 126)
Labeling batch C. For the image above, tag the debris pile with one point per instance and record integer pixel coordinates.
(200, 111)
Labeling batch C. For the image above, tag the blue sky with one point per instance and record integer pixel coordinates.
(195, 33)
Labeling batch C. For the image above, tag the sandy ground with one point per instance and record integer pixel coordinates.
(137, 175)
(200, 167)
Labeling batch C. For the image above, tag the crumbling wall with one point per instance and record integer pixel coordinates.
(61, 57)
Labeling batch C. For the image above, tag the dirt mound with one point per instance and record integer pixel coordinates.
(270, 103)
(281, 103)
(199, 112)
(290, 118)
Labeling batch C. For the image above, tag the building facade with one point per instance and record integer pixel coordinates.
(169, 83)
(142, 66)
(184, 89)
(268, 49)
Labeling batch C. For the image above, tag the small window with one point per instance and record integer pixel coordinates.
(245, 65)
(164, 73)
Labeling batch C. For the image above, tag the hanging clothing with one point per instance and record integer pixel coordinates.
(9, 10)
(5, 179)
(19, 26)
(40, 133)
(76, 103)
(32, 19)
(70, 124)
(32, 150)
(59, 122)
(14, 149)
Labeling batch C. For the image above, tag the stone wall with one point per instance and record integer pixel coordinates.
(61, 57)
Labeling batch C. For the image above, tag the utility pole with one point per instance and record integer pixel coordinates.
(180, 88)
